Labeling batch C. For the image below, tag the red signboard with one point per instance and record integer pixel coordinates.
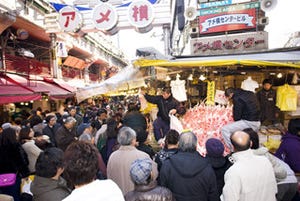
(235, 20)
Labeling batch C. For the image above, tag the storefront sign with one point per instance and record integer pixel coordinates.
(70, 19)
(221, 3)
(140, 13)
(104, 17)
(229, 44)
(229, 21)
(230, 8)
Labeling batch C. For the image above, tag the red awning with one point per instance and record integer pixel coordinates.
(40, 86)
(11, 92)
(61, 83)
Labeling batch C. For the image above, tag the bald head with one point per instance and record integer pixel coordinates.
(240, 141)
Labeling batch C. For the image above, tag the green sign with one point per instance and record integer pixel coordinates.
(230, 8)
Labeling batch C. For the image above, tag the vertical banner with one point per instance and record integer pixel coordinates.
(210, 100)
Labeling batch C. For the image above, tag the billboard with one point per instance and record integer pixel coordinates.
(228, 21)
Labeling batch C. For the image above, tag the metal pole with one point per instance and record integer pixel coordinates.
(53, 58)
(166, 31)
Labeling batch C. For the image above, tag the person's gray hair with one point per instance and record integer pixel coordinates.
(69, 120)
(188, 142)
(126, 135)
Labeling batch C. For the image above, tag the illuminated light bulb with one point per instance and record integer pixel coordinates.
(279, 75)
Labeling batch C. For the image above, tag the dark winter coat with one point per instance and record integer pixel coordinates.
(245, 106)
(51, 133)
(163, 155)
(289, 150)
(190, 177)
(64, 137)
(150, 192)
(164, 105)
(220, 165)
(47, 189)
(267, 101)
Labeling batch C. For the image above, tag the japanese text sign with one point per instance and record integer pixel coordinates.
(229, 44)
(221, 22)
(140, 13)
(104, 17)
(70, 19)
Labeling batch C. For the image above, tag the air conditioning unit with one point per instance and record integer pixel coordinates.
(202, 1)
(263, 21)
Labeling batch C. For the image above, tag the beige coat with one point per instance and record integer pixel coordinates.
(119, 165)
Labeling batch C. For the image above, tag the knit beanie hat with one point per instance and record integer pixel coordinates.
(214, 147)
(140, 170)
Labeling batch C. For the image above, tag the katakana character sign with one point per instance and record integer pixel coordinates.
(70, 19)
(140, 13)
(104, 17)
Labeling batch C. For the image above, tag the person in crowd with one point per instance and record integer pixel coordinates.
(287, 183)
(13, 160)
(138, 123)
(269, 112)
(34, 118)
(251, 177)
(73, 113)
(219, 162)
(48, 185)
(40, 125)
(100, 119)
(66, 134)
(51, 128)
(42, 141)
(119, 162)
(85, 132)
(170, 148)
(81, 167)
(290, 144)
(110, 137)
(145, 187)
(279, 169)
(246, 113)
(166, 104)
(187, 174)
(26, 139)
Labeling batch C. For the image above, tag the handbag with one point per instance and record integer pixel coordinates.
(7, 179)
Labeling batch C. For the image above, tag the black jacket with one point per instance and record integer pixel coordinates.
(245, 106)
(150, 192)
(267, 101)
(164, 105)
(64, 137)
(51, 133)
(190, 177)
(220, 165)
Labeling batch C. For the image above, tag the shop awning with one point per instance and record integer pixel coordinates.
(63, 84)
(11, 92)
(127, 78)
(40, 86)
(282, 58)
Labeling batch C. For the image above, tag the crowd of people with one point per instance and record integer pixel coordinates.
(104, 154)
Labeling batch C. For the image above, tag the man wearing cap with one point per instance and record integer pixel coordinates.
(119, 162)
(267, 101)
(145, 187)
(166, 104)
(245, 110)
(220, 163)
(187, 174)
